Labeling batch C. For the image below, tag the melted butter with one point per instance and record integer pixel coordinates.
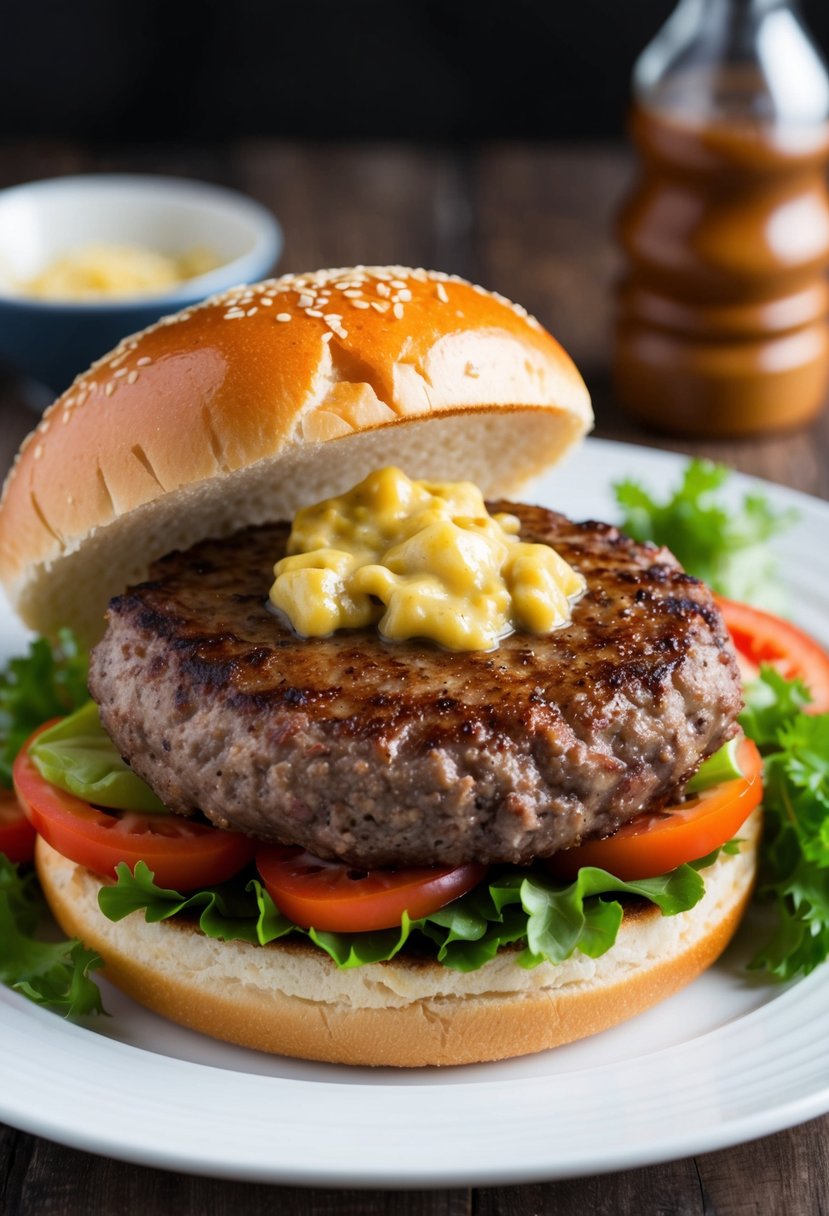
(419, 560)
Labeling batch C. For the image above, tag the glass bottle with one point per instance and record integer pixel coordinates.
(722, 314)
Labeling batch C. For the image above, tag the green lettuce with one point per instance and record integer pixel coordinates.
(55, 974)
(724, 765)
(77, 755)
(794, 861)
(48, 682)
(726, 547)
(550, 919)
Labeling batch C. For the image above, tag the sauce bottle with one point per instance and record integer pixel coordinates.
(723, 313)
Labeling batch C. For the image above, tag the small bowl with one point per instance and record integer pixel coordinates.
(52, 340)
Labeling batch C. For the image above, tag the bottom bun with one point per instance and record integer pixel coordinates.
(289, 998)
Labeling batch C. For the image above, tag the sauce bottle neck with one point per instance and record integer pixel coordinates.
(743, 60)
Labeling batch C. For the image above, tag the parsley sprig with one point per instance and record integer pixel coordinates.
(725, 546)
(794, 863)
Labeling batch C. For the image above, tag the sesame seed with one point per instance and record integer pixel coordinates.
(37, 451)
(379, 306)
(283, 316)
(121, 372)
(132, 377)
(383, 289)
(251, 312)
(398, 283)
(441, 293)
(327, 337)
(144, 361)
(353, 293)
(312, 312)
(66, 416)
(398, 311)
(110, 388)
(360, 304)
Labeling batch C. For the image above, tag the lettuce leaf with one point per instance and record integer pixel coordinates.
(77, 755)
(48, 682)
(794, 870)
(551, 919)
(55, 974)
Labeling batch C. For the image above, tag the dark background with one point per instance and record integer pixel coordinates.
(416, 69)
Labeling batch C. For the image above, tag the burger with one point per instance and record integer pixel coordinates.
(340, 843)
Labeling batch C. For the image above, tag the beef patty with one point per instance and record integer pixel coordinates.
(397, 754)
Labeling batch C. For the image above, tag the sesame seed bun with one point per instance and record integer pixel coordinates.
(290, 999)
(270, 396)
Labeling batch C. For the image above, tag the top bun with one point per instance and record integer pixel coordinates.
(268, 397)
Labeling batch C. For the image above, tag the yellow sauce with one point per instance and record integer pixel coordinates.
(116, 270)
(419, 560)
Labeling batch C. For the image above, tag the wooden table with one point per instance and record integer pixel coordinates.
(533, 223)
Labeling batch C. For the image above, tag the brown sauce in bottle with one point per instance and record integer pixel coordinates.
(723, 314)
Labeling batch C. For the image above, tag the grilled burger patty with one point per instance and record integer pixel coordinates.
(404, 754)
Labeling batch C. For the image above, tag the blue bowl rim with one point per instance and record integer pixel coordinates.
(268, 245)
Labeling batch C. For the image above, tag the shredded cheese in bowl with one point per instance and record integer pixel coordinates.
(116, 270)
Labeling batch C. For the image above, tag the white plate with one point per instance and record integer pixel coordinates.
(729, 1059)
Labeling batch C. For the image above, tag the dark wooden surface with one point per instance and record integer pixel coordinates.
(533, 223)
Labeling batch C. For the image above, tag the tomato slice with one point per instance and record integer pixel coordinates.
(17, 836)
(760, 637)
(655, 843)
(181, 853)
(330, 895)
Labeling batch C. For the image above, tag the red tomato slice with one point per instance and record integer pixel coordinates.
(329, 895)
(761, 637)
(654, 844)
(17, 836)
(181, 854)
